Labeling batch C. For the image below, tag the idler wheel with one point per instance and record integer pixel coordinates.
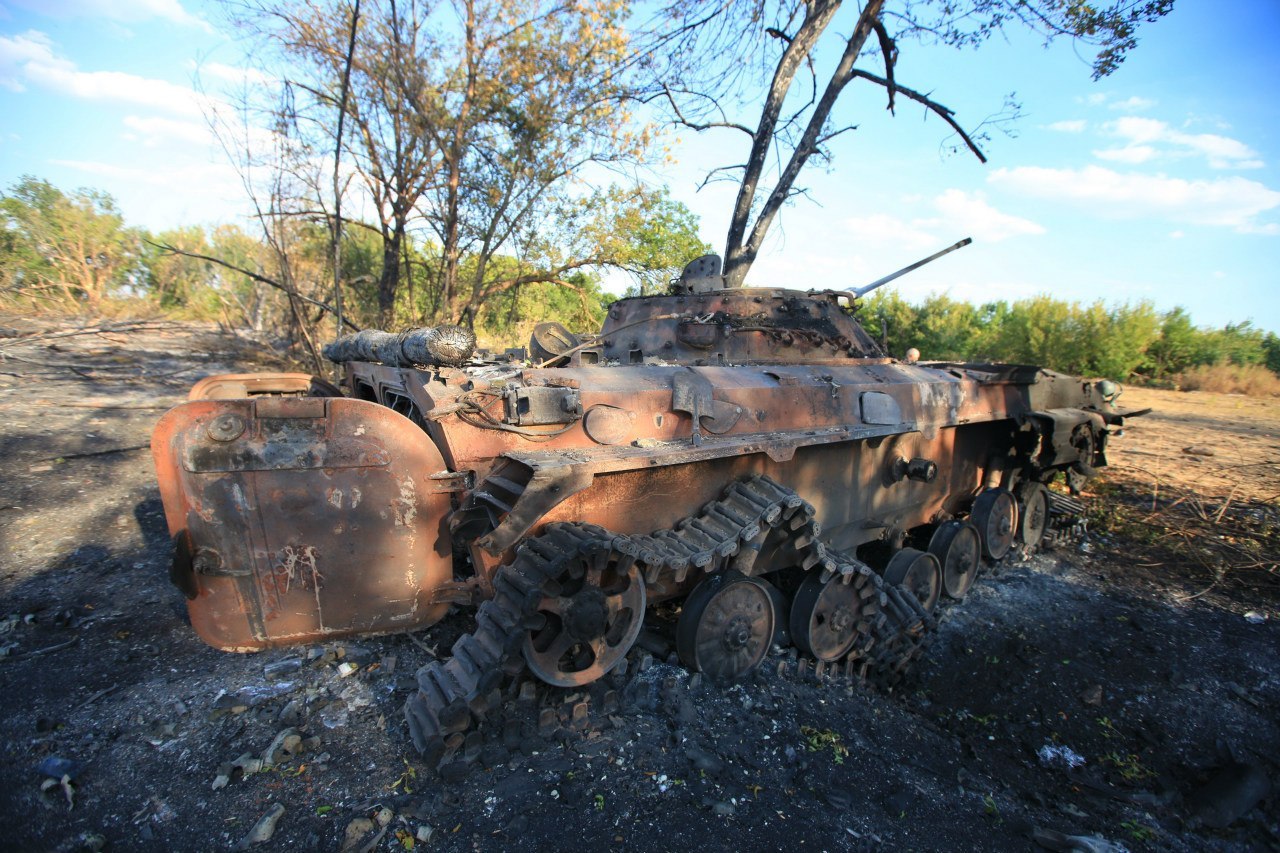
(958, 548)
(1033, 512)
(825, 617)
(591, 614)
(919, 572)
(995, 514)
(726, 626)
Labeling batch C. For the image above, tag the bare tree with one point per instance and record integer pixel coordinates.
(472, 124)
(710, 58)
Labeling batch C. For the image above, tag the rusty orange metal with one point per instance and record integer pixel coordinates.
(302, 518)
(300, 515)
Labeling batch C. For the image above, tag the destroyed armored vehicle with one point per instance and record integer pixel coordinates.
(751, 454)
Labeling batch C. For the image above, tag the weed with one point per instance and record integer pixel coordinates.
(818, 740)
(409, 776)
(1130, 766)
(1138, 831)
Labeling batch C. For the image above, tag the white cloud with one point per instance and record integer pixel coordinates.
(883, 229)
(1222, 152)
(155, 131)
(1128, 154)
(972, 214)
(16, 52)
(1111, 102)
(114, 10)
(1075, 125)
(29, 60)
(185, 176)
(1226, 202)
(1133, 103)
(230, 73)
(1176, 235)
(959, 213)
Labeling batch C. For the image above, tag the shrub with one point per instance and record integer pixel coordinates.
(1252, 379)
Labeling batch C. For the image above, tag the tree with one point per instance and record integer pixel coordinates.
(472, 122)
(73, 248)
(713, 58)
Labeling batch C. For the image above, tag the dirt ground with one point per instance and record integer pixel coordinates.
(1124, 690)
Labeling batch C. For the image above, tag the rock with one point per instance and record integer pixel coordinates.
(56, 767)
(1092, 695)
(285, 745)
(282, 667)
(356, 831)
(1196, 450)
(247, 764)
(723, 808)
(334, 715)
(291, 714)
(1231, 794)
(263, 829)
(1051, 839)
(1059, 755)
(425, 833)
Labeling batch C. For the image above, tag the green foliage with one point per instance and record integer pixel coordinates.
(1117, 341)
(71, 250)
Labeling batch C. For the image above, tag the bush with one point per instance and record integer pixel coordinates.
(1252, 379)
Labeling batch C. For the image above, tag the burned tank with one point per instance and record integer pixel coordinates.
(751, 455)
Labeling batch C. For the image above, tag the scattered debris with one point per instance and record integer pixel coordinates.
(1053, 840)
(286, 745)
(246, 765)
(56, 767)
(1059, 755)
(263, 829)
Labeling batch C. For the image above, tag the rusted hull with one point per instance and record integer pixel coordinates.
(300, 519)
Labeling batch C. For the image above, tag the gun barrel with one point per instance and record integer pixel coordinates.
(865, 289)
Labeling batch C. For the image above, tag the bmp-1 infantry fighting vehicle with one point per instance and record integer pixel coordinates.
(751, 453)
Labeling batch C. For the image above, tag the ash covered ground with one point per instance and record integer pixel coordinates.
(1100, 691)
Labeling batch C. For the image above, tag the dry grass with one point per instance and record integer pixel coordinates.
(1214, 543)
(1252, 379)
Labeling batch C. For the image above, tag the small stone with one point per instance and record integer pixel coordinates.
(291, 713)
(425, 833)
(548, 722)
(347, 668)
(282, 667)
(263, 829)
(1092, 695)
(356, 831)
(285, 745)
(724, 808)
(384, 816)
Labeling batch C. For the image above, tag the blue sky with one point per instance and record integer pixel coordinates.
(1161, 182)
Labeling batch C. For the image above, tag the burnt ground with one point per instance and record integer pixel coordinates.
(1157, 669)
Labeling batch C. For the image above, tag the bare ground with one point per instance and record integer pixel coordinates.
(1149, 653)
